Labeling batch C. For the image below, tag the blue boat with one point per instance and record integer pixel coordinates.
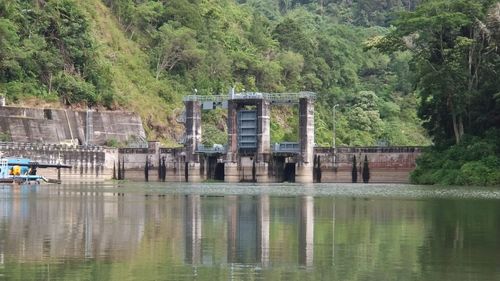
(23, 170)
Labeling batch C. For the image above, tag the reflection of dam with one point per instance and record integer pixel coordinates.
(68, 225)
(248, 230)
(39, 224)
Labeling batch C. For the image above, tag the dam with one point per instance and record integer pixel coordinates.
(80, 138)
(249, 155)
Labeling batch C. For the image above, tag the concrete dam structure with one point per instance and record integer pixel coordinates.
(58, 126)
(42, 135)
(249, 155)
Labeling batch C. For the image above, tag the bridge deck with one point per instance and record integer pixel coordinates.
(272, 97)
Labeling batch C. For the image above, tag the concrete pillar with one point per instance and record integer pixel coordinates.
(193, 130)
(194, 172)
(263, 131)
(305, 165)
(231, 172)
(262, 172)
(232, 131)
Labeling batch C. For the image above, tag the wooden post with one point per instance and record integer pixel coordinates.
(146, 170)
(119, 170)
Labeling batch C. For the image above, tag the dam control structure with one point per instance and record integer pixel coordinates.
(249, 154)
(51, 136)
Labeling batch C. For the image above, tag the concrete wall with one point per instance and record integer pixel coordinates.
(134, 160)
(386, 164)
(87, 163)
(57, 126)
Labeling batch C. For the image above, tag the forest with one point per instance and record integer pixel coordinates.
(403, 72)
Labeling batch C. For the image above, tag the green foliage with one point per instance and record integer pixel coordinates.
(47, 50)
(113, 143)
(475, 161)
(267, 46)
(144, 55)
(455, 59)
(5, 137)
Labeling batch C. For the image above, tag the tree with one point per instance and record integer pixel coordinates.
(455, 57)
(175, 46)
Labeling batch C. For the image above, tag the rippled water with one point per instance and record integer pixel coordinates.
(134, 231)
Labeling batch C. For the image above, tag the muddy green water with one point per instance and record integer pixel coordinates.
(158, 231)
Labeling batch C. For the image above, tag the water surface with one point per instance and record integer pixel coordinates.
(165, 231)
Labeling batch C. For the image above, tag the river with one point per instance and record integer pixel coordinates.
(216, 231)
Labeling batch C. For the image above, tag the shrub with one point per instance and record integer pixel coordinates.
(476, 161)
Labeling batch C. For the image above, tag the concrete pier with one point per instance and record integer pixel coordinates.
(193, 130)
(263, 131)
(305, 165)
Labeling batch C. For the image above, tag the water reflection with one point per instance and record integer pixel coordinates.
(159, 236)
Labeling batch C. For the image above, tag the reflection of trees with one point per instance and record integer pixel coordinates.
(374, 239)
(463, 240)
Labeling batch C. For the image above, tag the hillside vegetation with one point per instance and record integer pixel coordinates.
(455, 47)
(145, 55)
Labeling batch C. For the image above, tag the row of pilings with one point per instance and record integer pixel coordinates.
(119, 173)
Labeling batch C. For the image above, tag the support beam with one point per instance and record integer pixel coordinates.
(305, 165)
(232, 131)
(264, 131)
(193, 130)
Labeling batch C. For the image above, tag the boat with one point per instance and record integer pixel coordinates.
(24, 170)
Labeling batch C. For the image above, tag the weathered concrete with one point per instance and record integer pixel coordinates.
(249, 161)
(231, 173)
(232, 132)
(193, 130)
(56, 126)
(194, 172)
(304, 169)
(263, 132)
(88, 163)
(387, 164)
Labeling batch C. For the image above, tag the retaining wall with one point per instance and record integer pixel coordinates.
(55, 126)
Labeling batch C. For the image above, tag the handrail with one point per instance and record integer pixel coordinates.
(273, 97)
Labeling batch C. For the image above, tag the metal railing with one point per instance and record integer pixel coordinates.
(48, 146)
(286, 147)
(216, 148)
(273, 97)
